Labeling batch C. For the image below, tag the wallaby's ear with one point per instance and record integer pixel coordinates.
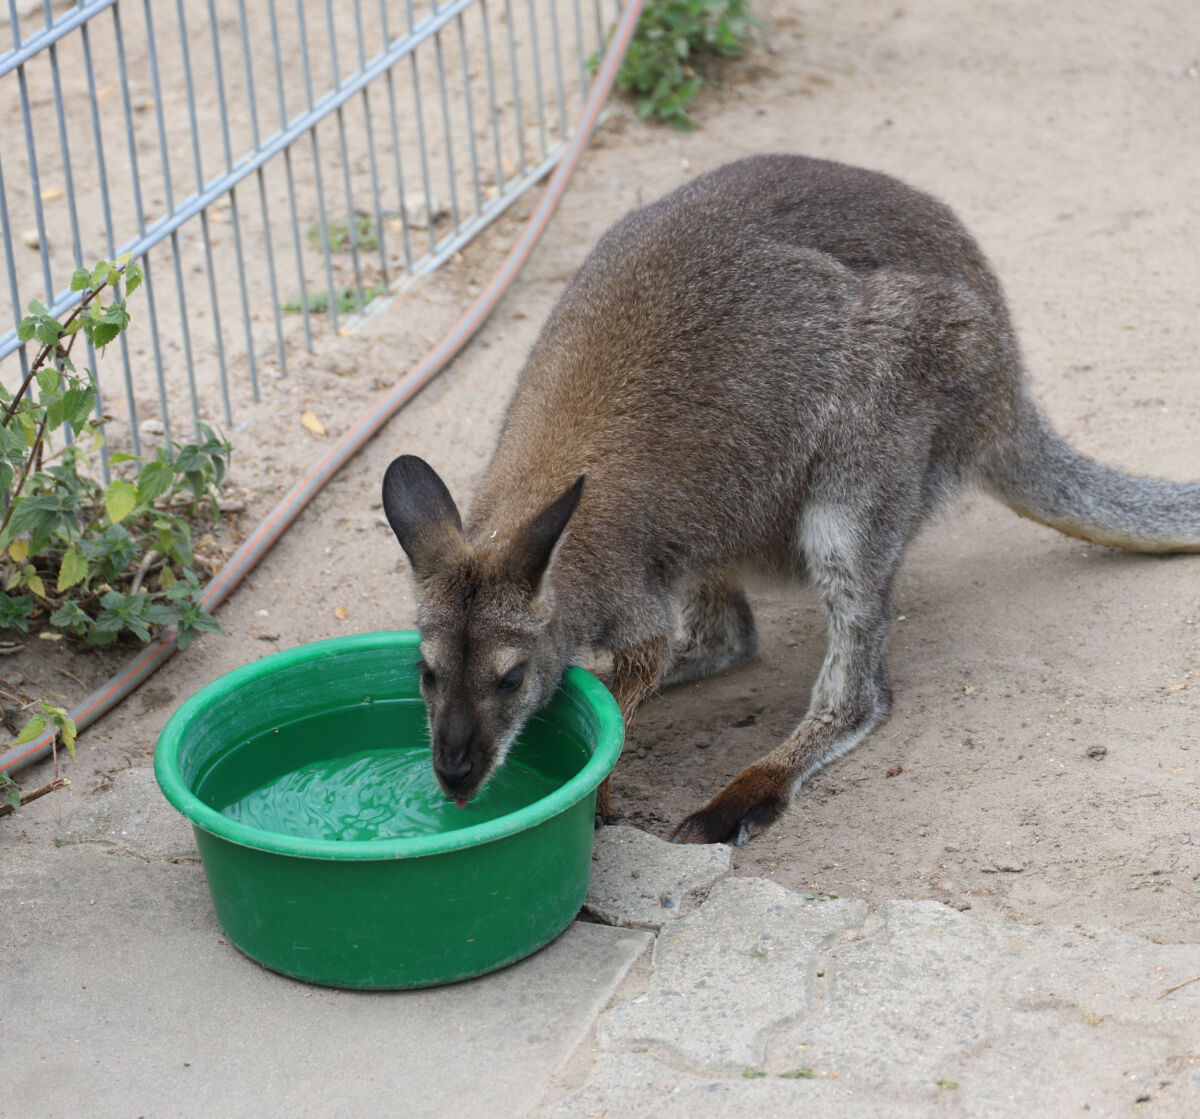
(533, 545)
(422, 514)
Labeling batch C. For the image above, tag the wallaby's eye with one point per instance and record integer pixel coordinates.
(512, 679)
(426, 673)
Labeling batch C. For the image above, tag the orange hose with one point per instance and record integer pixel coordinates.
(273, 526)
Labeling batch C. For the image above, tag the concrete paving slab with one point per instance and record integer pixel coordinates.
(1014, 1020)
(123, 998)
(730, 975)
(642, 882)
(913, 1010)
(131, 817)
(633, 1084)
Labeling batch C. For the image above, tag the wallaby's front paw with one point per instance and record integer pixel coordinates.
(752, 801)
(604, 812)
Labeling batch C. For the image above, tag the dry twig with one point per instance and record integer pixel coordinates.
(57, 783)
(1175, 987)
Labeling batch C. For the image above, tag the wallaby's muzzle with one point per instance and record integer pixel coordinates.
(456, 755)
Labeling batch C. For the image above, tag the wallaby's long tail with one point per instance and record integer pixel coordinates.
(1040, 476)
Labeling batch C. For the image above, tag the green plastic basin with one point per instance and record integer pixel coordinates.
(381, 913)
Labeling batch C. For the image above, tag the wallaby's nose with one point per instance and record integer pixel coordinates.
(455, 771)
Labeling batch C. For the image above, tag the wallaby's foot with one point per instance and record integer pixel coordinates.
(752, 801)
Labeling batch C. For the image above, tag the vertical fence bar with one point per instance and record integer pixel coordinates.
(65, 147)
(559, 86)
(35, 186)
(397, 157)
(493, 101)
(351, 215)
(380, 239)
(76, 246)
(10, 261)
(581, 51)
(170, 200)
(423, 147)
(106, 210)
(15, 23)
(451, 171)
(218, 340)
(268, 236)
(472, 147)
(516, 82)
(539, 96)
(136, 184)
(287, 160)
(238, 248)
(316, 158)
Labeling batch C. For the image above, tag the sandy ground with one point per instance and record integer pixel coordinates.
(1046, 691)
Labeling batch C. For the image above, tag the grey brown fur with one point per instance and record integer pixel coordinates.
(783, 366)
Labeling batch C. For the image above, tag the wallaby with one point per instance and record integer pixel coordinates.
(784, 366)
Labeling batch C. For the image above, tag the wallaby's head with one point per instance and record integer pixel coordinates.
(489, 658)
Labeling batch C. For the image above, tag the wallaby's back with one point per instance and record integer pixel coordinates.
(722, 343)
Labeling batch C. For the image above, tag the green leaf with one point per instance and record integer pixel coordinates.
(66, 727)
(121, 456)
(112, 553)
(39, 309)
(154, 479)
(15, 611)
(70, 616)
(31, 730)
(72, 571)
(133, 278)
(28, 427)
(73, 407)
(120, 499)
(190, 459)
(48, 332)
(101, 333)
(80, 279)
(195, 483)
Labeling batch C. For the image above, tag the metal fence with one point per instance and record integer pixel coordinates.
(273, 167)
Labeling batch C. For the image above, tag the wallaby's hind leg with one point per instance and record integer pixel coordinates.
(715, 631)
(851, 559)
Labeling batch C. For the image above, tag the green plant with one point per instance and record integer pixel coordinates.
(802, 1073)
(96, 560)
(659, 66)
(752, 1074)
(339, 234)
(64, 728)
(347, 300)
